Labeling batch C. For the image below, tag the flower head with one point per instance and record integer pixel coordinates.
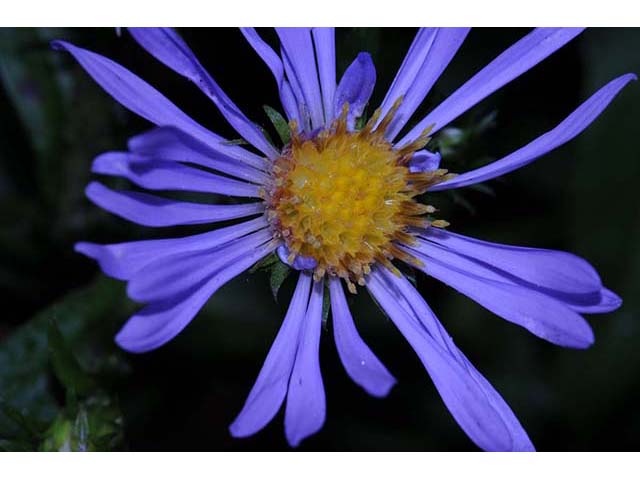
(340, 203)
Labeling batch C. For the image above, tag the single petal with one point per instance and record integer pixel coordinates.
(306, 406)
(168, 47)
(324, 40)
(270, 388)
(169, 143)
(153, 174)
(299, 263)
(273, 61)
(355, 87)
(424, 161)
(144, 100)
(172, 275)
(461, 393)
(157, 323)
(152, 211)
(570, 127)
(123, 260)
(429, 55)
(513, 62)
(359, 361)
(298, 48)
(413, 303)
(607, 301)
(541, 314)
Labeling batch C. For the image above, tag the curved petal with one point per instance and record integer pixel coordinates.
(324, 40)
(157, 323)
(172, 275)
(355, 88)
(513, 62)
(154, 174)
(168, 47)
(424, 161)
(359, 361)
(570, 127)
(306, 406)
(152, 211)
(299, 263)
(273, 61)
(541, 314)
(607, 301)
(415, 305)
(298, 48)
(169, 143)
(144, 100)
(461, 393)
(270, 388)
(428, 56)
(123, 260)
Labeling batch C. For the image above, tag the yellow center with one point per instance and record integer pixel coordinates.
(343, 198)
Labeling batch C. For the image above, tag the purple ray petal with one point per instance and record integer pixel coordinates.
(168, 47)
(304, 114)
(359, 361)
(298, 47)
(305, 410)
(570, 127)
(461, 393)
(154, 174)
(513, 62)
(550, 270)
(123, 260)
(541, 314)
(172, 275)
(152, 211)
(355, 87)
(299, 263)
(428, 56)
(325, 43)
(607, 301)
(413, 304)
(270, 388)
(144, 100)
(273, 61)
(424, 161)
(158, 323)
(169, 143)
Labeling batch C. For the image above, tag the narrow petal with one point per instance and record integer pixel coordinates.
(298, 47)
(541, 314)
(461, 393)
(169, 143)
(424, 161)
(513, 62)
(306, 407)
(152, 211)
(415, 305)
(144, 100)
(359, 361)
(168, 47)
(429, 55)
(173, 275)
(570, 127)
(270, 388)
(299, 263)
(123, 260)
(355, 88)
(325, 42)
(273, 61)
(157, 323)
(154, 174)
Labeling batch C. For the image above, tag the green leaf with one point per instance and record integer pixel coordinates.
(279, 123)
(265, 263)
(279, 273)
(326, 306)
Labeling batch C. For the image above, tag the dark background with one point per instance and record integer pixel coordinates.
(64, 384)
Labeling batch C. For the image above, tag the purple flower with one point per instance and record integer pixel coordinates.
(339, 204)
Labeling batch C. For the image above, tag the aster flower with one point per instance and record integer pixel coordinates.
(340, 204)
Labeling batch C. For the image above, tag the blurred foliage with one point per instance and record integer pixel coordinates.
(64, 384)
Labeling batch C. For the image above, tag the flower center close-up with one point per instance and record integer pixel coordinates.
(341, 198)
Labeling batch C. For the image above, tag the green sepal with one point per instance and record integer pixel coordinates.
(279, 123)
(235, 141)
(279, 273)
(326, 307)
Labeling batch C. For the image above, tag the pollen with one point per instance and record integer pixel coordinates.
(344, 198)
